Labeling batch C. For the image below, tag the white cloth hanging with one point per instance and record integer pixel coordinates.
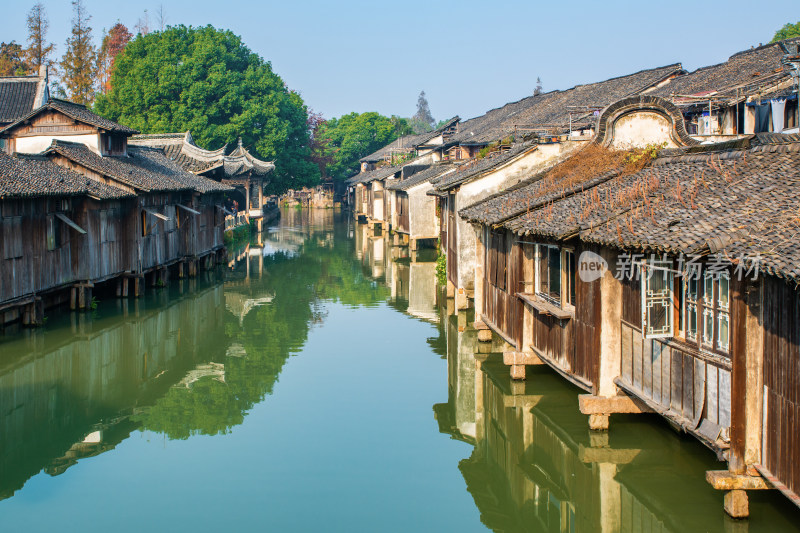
(778, 107)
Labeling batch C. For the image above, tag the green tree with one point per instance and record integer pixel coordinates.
(788, 31)
(207, 81)
(79, 63)
(347, 139)
(422, 121)
(12, 60)
(39, 48)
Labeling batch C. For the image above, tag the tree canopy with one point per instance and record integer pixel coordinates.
(78, 66)
(207, 81)
(345, 140)
(422, 121)
(788, 31)
(12, 60)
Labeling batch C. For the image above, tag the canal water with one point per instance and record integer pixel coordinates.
(319, 382)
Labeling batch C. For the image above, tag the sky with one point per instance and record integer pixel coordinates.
(468, 57)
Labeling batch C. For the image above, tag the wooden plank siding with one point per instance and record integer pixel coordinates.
(502, 281)
(112, 246)
(586, 352)
(691, 387)
(572, 343)
(781, 438)
(401, 205)
(452, 243)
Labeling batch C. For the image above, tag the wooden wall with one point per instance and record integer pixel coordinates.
(689, 386)
(113, 243)
(401, 205)
(781, 432)
(502, 282)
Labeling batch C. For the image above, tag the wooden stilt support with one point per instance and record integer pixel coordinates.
(125, 287)
(73, 298)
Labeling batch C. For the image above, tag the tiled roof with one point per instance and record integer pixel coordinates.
(407, 142)
(240, 162)
(553, 108)
(77, 112)
(372, 175)
(588, 167)
(144, 169)
(180, 147)
(34, 176)
(748, 70)
(422, 176)
(17, 97)
(476, 167)
(696, 200)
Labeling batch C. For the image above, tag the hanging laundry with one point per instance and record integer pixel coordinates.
(762, 118)
(778, 108)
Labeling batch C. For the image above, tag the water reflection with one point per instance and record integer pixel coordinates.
(194, 359)
(190, 359)
(76, 391)
(536, 466)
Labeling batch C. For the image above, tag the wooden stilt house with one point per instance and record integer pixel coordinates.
(666, 314)
(54, 230)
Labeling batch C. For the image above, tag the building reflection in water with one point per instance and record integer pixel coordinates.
(75, 391)
(535, 466)
(188, 359)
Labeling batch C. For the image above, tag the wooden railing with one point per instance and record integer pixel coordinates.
(234, 221)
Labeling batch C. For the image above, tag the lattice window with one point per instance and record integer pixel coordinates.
(657, 279)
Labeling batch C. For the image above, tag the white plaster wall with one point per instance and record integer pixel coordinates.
(639, 129)
(377, 207)
(422, 291)
(391, 216)
(523, 167)
(422, 220)
(40, 143)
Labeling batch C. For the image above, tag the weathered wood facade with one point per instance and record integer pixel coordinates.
(80, 207)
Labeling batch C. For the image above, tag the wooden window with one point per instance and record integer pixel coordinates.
(657, 310)
(53, 237)
(716, 309)
(12, 237)
(145, 229)
(690, 294)
(549, 272)
(706, 310)
(569, 277)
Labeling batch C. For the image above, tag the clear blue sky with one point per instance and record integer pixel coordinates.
(468, 56)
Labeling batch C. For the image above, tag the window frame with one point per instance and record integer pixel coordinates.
(538, 265)
(652, 296)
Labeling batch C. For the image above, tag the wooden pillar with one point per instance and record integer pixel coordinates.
(81, 297)
(119, 288)
(480, 265)
(181, 269)
(73, 298)
(260, 194)
(247, 198)
(125, 287)
(137, 286)
(747, 377)
(610, 329)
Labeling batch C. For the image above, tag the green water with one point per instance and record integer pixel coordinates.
(317, 384)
